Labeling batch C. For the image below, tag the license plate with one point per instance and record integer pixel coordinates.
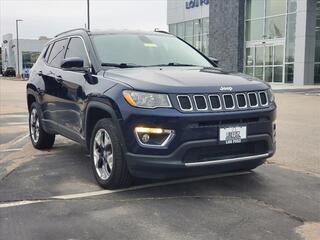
(233, 134)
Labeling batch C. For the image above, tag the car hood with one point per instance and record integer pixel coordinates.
(184, 80)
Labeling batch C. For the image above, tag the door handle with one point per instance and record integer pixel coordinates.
(40, 73)
(58, 79)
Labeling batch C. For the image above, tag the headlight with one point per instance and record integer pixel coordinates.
(271, 97)
(147, 100)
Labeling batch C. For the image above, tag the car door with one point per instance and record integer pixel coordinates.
(52, 84)
(73, 84)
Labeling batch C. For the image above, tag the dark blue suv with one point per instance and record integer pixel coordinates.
(148, 104)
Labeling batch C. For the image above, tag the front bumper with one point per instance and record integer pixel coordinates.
(175, 164)
(195, 148)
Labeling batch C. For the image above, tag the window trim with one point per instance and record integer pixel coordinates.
(68, 40)
(85, 48)
(52, 45)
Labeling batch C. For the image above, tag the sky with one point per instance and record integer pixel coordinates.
(50, 17)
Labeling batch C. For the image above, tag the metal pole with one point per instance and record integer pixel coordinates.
(18, 59)
(88, 13)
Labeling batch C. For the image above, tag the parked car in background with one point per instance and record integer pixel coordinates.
(148, 104)
(9, 72)
(25, 73)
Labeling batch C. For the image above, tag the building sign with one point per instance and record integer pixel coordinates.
(196, 3)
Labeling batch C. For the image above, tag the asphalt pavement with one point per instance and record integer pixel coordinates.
(53, 195)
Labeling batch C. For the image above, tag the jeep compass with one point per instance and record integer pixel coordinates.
(148, 104)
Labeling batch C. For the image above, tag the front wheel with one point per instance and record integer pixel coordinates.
(39, 137)
(108, 164)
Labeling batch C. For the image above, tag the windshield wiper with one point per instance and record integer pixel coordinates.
(173, 64)
(120, 65)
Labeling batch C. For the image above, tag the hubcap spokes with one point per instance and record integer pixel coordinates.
(34, 125)
(103, 154)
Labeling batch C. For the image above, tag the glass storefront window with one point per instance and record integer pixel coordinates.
(277, 74)
(195, 32)
(180, 30)
(275, 27)
(258, 72)
(290, 38)
(292, 6)
(29, 58)
(249, 71)
(259, 56)
(278, 55)
(172, 28)
(289, 73)
(249, 56)
(254, 9)
(275, 7)
(254, 30)
(205, 25)
(268, 55)
(268, 74)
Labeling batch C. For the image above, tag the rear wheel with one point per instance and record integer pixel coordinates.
(39, 137)
(108, 164)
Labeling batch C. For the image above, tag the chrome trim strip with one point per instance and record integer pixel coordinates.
(185, 109)
(253, 106)
(266, 95)
(224, 101)
(215, 95)
(226, 161)
(245, 99)
(205, 100)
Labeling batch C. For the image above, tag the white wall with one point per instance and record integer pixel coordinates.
(177, 11)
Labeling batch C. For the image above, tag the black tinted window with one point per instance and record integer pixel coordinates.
(77, 49)
(57, 52)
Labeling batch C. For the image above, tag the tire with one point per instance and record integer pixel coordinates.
(108, 163)
(39, 137)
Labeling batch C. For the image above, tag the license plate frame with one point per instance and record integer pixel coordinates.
(233, 134)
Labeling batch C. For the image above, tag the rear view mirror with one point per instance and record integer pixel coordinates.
(74, 63)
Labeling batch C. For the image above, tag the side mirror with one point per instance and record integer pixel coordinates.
(215, 61)
(73, 63)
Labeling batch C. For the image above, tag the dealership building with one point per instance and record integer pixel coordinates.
(29, 50)
(274, 40)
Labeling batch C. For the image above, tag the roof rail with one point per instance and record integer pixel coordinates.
(71, 30)
(161, 31)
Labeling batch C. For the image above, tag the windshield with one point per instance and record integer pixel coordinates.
(146, 50)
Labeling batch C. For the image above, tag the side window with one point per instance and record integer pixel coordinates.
(76, 48)
(47, 53)
(57, 52)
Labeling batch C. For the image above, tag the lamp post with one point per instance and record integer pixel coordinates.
(88, 14)
(18, 57)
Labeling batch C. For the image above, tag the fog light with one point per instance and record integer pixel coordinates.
(145, 138)
(153, 137)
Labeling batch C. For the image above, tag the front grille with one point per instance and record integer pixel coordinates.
(220, 102)
(219, 152)
(253, 100)
(263, 98)
(200, 101)
(241, 100)
(228, 101)
(185, 103)
(215, 102)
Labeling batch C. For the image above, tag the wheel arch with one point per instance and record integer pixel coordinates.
(97, 110)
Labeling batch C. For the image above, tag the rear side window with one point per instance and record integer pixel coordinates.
(76, 48)
(57, 53)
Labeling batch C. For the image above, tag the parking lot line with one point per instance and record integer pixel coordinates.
(105, 192)
(10, 150)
